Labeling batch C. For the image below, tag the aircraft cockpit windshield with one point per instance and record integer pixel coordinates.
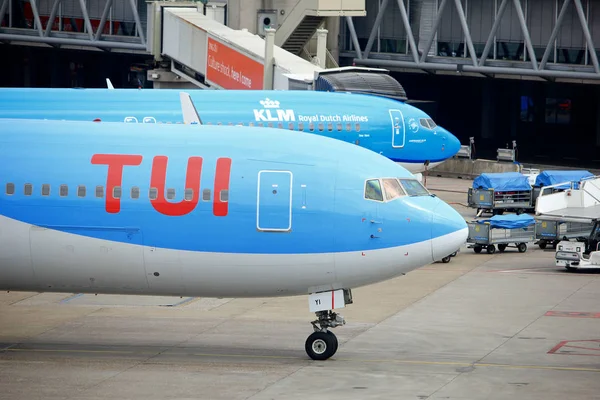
(427, 123)
(414, 188)
(388, 189)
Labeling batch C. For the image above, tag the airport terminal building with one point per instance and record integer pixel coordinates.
(502, 72)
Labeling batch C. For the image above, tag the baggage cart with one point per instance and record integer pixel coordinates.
(498, 192)
(550, 232)
(502, 231)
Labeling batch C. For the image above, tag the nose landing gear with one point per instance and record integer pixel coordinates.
(322, 343)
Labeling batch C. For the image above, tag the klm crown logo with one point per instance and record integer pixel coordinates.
(270, 112)
(268, 103)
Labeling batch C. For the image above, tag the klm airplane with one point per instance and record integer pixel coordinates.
(212, 211)
(392, 128)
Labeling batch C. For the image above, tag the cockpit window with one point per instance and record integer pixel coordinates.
(414, 188)
(431, 123)
(373, 190)
(424, 123)
(393, 190)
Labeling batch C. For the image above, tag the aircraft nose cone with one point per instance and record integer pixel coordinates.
(451, 145)
(449, 231)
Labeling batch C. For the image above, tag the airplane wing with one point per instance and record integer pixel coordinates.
(109, 84)
(190, 114)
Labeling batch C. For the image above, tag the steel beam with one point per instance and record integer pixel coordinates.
(490, 41)
(350, 24)
(525, 31)
(52, 17)
(376, 25)
(557, 25)
(138, 24)
(588, 36)
(72, 42)
(466, 32)
(3, 8)
(36, 16)
(411, 39)
(103, 20)
(479, 70)
(436, 26)
(86, 19)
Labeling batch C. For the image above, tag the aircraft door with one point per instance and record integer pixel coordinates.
(274, 202)
(398, 128)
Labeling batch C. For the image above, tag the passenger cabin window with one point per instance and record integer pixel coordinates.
(357, 127)
(170, 194)
(311, 127)
(300, 126)
(280, 125)
(206, 195)
(373, 190)
(414, 188)
(393, 190)
(45, 189)
(321, 127)
(117, 192)
(153, 193)
(329, 126)
(81, 191)
(28, 189)
(188, 195)
(348, 127)
(224, 195)
(10, 188)
(63, 191)
(339, 127)
(291, 126)
(99, 191)
(135, 192)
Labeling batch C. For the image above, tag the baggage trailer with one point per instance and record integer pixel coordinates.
(551, 232)
(498, 192)
(502, 231)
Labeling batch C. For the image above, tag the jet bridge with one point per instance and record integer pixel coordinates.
(209, 54)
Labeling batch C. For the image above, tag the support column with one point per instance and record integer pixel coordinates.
(333, 38)
(322, 47)
(269, 45)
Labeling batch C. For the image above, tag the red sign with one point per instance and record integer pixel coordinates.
(230, 69)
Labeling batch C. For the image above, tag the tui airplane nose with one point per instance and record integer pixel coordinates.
(449, 231)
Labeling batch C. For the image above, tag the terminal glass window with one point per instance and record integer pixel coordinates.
(414, 188)
(373, 190)
(527, 109)
(393, 190)
(558, 111)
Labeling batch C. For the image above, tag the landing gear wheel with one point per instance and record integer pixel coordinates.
(522, 247)
(491, 249)
(542, 245)
(502, 247)
(321, 345)
(477, 249)
(453, 254)
(446, 259)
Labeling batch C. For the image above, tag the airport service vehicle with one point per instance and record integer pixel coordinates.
(581, 254)
(502, 231)
(550, 232)
(212, 211)
(397, 130)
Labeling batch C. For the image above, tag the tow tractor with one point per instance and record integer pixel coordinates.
(581, 254)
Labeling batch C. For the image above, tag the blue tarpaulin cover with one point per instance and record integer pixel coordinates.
(501, 182)
(547, 178)
(510, 221)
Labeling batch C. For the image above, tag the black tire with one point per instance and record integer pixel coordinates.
(477, 249)
(446, 259)
(491, 249)
(502, 247)
(454, 254)
(571, 269)
(542, 244)
(522, 247)
(321, 345)
(335, 341)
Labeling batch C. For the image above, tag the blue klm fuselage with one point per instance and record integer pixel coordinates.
(399, 131)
